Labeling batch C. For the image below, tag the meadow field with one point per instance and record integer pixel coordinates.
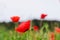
(45, 32)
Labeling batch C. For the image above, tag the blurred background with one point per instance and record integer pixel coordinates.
(29, 9)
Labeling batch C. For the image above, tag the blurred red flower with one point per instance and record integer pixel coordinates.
(57, 29)
(43, 16)
(35, 28)
(15, 18)
(23, 27)
(52, 37)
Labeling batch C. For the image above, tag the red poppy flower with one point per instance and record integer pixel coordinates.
(35, 28)
(15, 18)
(52, 37)
(57, 29)
(43, 16)
(23, 27)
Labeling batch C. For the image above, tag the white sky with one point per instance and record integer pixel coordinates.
(29, 9)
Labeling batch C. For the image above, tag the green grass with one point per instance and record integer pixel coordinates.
(29, 35)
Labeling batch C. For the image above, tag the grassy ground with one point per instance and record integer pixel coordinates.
(29, 35)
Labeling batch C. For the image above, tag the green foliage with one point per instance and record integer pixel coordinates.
(29, 35)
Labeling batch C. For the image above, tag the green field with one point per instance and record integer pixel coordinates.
(42, 34)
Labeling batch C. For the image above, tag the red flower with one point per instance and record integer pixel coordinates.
(43, 16)
(52, 37)
(15, 18)
(35, 28)
(23, 27)
(57, 29)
